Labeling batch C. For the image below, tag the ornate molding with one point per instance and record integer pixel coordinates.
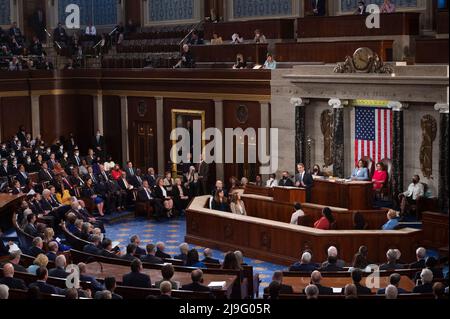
(298, 101)
(441, 107)
(397, 106)
(374, 64)
(337, 103)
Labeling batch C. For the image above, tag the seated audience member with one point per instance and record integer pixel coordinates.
(421, 254)
(36, 247)
(387, 7)
(259, 37)
(360, 289)
(197, 280)
(150, 257)
(160, 248)
(14, 259)
(391, 292)
(166, 291)
(305, 264)
(135, 239)
(360, 173)
(415, 192)
(116, 172)
(146, 195)
(361, 9)
(259, 180)
(72, 294)
(195, 39)
(93, 247)
(184, 250)
(392, 258)
(297, 214)
(284, 289)
(131, 251)
(316, 278)
(240, 62)
(136, 278)
(110, 285)
(60, 35)
(193, 259)
(107, 250)
(285, 180)
(208, 253)
(236, 39)
(219, 186)
(333, 253)
(60, 266)
(216, 40)
(327, 221)
(350, 291)
(162, 194)
(438, 291)
(240, 258)
(180, 196)
(96, 286)
(316, 172)
(431, 264)
(394, 280)
(312, 292)
(237, 205)
(392, 222)
(270, 63)
(360, 262)
(4, 292)
(103, 295)
(273, 290)
(90, 192)
(167, 273)
(220, 202)
(272, 181)
(380, 177)
(187, 59)
(9, 280)
(41, 283)
(30, 227)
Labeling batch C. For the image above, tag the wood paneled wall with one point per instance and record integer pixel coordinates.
(14, 112)
(112, 126)
(61, 115)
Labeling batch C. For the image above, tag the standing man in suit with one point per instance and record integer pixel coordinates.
(319, 7)
(303, 179)
(130, 171)
(136, 278)
(98, 144)
(203, 174)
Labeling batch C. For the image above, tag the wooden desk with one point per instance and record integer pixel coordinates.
(289, 195)
(435, 230)
(350, 195)
(184, 278)
(283, 243)
(227, 52)
(300, 283)
(330, 52)
(271, 28)
(401, 23)
(257, 190)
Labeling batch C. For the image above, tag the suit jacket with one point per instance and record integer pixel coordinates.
(140, 251)
(288, 182)
(320, 5)
(182, 257)
(94, 283)
(19, 268)
(128, 257)
(45, 176)
(51, 256)
(136, 279)
(331, 267)
(307, 179)
(284, 290)
(151, 180)
(209, 260)
(46, 288)
(303, 267)
(136, 181)
(382, 291)
(150, 259)
(31, 230)
(203, 170)
(423, 289)
(361, 290)
(23, 180)
(13, 283)
(162, 255)
(100, 143)
(58, 273)
(142, 196)
(420, 264)
(92, 249)
(130, 173)
(323, 290)
(196, 287)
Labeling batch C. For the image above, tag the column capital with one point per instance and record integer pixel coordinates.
(397, 106)
(441, 107)
(298, 101)
(337, 103)
(159, 98)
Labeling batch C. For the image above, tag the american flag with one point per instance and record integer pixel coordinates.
(373, 136)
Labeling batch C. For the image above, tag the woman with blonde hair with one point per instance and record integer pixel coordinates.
(237, 205)
(40, 261)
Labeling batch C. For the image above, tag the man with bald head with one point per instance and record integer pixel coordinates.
(59, 271)
(9, 280)
(197, 282)
(208, 257)
(421, 254)
(316, 278)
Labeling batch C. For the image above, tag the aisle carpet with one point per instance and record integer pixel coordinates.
(172, 233)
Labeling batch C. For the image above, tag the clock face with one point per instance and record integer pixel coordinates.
(362, 58)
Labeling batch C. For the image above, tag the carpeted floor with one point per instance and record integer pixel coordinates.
(172, 233)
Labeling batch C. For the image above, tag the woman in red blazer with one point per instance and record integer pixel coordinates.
(326, 221)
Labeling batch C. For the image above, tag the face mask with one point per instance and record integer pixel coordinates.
(29, 160)
(13, 154)
(77, 154)
(48, 151)
(36, 152)
(65, 156)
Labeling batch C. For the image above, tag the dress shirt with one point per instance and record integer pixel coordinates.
(414, 191)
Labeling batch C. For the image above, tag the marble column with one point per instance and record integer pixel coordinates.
(338, 137)
(218, 114)
(98, 113)
(300, 129)
(124, 128)
(443, 157)
(398, 147)
(160, 133)
(35, 116)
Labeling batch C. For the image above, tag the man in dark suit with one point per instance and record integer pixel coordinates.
(44, 174)
(197, 280)
(131, 251)
(96, 286)
(135, 239)
(4, 169)
(22, 176)
(36, 247)
(135, 278)
(394, 279)
(130, 171)
(9, 280)
(52, 251)
(14, 259)
(392, 258)
(208, 257)
(160, 247)
(286, 181)
(76, 159)
(421, 253)
(303, 179)
(93, 247)
(203, 175)
(137, 180)
(30, 228)
(110, 285)
(331, 265)
(316, 277)
(305, 264)
(41, 283)
(319, 7)
(60, 35)
(184, 249)
(150, 258)
(59, 271)
(360, 289)
(98, 143)
(166, 291)
(426, 286)
(284, 289)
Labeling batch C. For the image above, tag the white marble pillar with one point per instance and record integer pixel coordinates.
(98, 113)
(35, 116)
(160, 133)
(218, 115)
(124, 128)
